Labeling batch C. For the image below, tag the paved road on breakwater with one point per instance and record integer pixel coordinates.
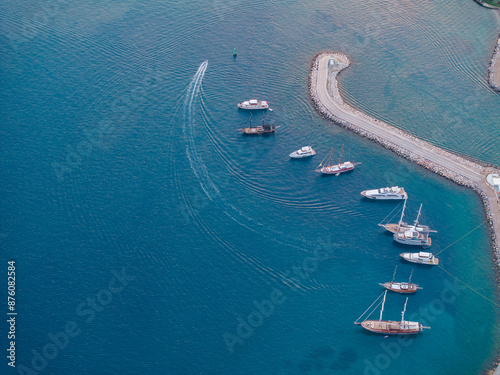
(325, 94)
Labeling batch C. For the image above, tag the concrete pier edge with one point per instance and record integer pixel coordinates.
(332, 87)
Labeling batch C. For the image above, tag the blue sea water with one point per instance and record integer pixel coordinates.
(121, 157)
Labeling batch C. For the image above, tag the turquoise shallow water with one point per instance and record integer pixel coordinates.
(210, 223)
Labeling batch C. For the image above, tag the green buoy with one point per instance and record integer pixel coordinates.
(235, 53)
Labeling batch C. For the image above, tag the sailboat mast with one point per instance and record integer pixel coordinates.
(420, 209)
(341, 154)
(404, 310)
(411, 274)
(251, 119)
(394, 275)
(383, 304)
(402, 215)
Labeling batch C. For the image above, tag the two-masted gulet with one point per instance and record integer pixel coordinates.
(414, 234)
(402, 226)
(401, 287)
(390, 327)
(258, 130)
(335, 169)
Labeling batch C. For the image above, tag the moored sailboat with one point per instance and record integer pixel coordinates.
(258, 130)
(414, 235)
(401, 287)
(402, 226)
(391, 327)
(335, 169)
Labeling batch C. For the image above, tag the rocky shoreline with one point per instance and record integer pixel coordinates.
(438, 169)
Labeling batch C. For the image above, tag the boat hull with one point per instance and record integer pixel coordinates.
(394, 228)
(400, 287)
(253, 104)
(304, 152)
(259, 130)
(390, 327)
(413, 258)
(337, 169)
(393, 193)
(425, 243)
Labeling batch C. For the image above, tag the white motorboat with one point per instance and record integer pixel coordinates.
(394, 192)
(253, 104)
(304, 152)
(420, 258)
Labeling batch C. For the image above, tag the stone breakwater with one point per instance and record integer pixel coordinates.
(494, 68)
(486, 4)
(334, 109)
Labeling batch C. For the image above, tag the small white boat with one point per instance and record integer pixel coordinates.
(304, 152)
(420, 258)
(394, 192)
(253, 104)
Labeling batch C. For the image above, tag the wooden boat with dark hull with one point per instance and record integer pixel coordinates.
(391, 327)
(258, 130)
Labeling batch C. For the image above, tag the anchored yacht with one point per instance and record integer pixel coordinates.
(394, 192)
(253, 104)
(304, 152)
(420, 258)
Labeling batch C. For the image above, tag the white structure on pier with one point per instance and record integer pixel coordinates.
(494, 180)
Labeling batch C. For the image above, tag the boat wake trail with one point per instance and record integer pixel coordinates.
(189, 129)
(193, 101)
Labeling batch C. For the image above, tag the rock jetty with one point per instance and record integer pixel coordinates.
(324, 93)
(494, 68)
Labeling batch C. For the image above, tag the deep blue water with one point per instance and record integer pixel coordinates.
(209, 223)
